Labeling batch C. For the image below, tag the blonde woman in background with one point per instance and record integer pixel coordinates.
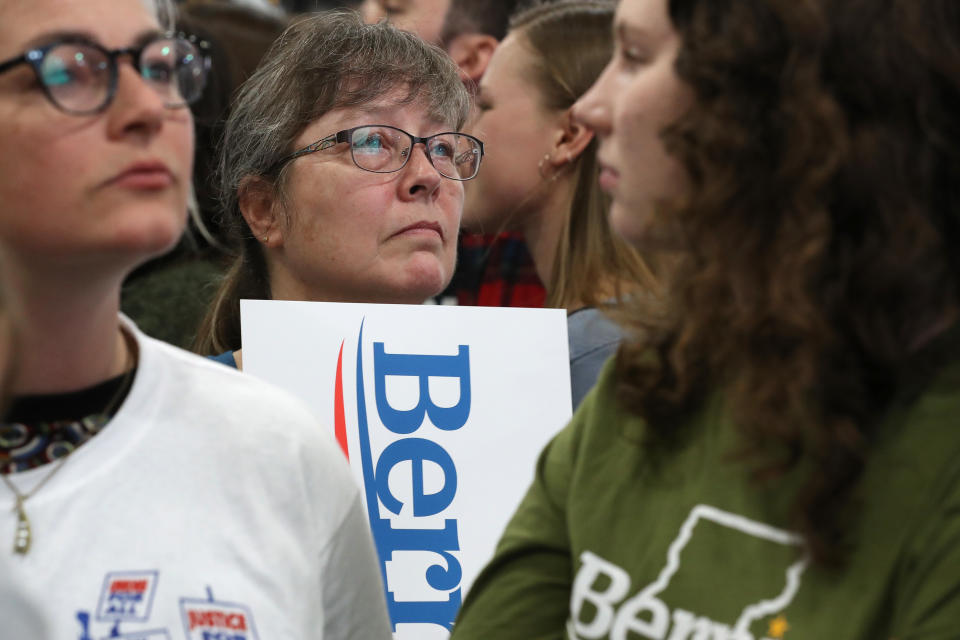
(540, 173)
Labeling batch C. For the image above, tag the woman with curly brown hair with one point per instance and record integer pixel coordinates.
(774, 456)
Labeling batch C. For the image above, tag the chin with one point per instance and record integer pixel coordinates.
(420, 291)
(423, 278)
(629, 224)
(151, 234)
(647, 231)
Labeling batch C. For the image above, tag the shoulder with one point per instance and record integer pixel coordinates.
(198, 393)
(589, 331)
(227, 358)
(593, 338)
(246, 426)
(923, 425)
(921, 441)
(914, 476)
(207, 374)
(600, 421)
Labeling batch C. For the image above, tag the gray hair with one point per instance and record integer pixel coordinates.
(323, 62)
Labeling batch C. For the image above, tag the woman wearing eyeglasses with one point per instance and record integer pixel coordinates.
(134, 501)
(342, 172)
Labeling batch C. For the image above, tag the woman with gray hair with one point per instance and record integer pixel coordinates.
(341, 172)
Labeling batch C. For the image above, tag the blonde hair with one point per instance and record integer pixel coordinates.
(571, 43)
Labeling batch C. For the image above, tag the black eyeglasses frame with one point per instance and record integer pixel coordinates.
(34, 58)
(346, 135)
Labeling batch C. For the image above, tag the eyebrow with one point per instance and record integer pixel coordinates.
(376, 110)
(85, 36)
(623, 31)
(385, 108)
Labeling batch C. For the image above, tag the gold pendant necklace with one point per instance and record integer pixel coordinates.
(23, 536)
(21, 542)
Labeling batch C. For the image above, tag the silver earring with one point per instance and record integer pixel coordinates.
(545, 158)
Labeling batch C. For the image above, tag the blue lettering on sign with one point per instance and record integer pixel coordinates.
(401, 364)
(123, 604)
(417, 450)
(445, 575)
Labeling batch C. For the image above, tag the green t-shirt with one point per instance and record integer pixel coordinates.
(605, 545)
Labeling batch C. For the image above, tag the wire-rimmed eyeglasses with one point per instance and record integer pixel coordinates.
(381, 148)
(79, 77)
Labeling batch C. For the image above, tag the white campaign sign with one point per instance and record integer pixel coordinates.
(442, 412)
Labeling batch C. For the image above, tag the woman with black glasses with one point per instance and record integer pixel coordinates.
(134, 501)
(342, 172)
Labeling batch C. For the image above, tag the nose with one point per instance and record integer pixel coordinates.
(593, 108)
(419, 177)
(136, 107)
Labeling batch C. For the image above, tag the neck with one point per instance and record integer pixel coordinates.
(543, 227)
(284, 285)
(543, 230)
(68, 335)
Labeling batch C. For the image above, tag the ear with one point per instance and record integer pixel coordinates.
(472, 53)
(571, 139)
(258, 205)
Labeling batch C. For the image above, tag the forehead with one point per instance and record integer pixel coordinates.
(114, 23)
(420, 6)
(649, 16)
(413, 117)
(508, 62)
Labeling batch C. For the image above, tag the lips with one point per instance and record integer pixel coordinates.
(609, 177)
(422, 227)
(150, 175)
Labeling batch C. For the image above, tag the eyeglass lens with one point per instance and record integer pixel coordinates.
(79, 76)
(384, 149)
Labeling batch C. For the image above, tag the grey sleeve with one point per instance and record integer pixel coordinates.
(593, 340)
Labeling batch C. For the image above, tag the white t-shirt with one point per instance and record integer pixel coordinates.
(212, 507)
(19, 617)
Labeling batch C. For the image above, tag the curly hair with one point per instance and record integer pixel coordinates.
(823, 234)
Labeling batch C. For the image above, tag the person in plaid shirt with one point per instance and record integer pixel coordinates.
(493, 269)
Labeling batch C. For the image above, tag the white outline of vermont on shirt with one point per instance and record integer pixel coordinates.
(620, 624)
